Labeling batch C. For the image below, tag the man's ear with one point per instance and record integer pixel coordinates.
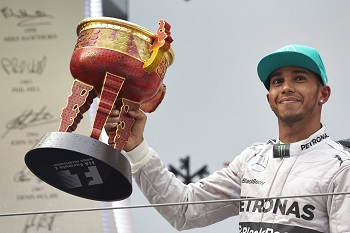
(325, 94)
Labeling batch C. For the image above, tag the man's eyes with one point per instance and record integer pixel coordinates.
(276, 81)
(281, 80)
(300, 78)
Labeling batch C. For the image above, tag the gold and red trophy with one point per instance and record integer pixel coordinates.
(124, 65)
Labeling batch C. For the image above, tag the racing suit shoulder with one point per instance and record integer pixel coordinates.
(342, 151)
(337, 157)
(338, 205)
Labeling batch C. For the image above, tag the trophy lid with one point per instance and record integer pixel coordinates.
(123, 25)
(114, 23)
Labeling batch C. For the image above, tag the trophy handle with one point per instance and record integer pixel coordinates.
(120, 136)
(160, 45)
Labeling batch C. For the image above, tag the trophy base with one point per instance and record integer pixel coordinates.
(81, 166)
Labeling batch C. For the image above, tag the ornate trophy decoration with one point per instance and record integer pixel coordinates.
(124, 65)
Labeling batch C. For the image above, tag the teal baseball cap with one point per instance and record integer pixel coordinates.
(291, 55)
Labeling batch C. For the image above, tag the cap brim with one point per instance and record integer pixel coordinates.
(276, 60)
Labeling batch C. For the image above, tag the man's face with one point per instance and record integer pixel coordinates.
(294, 94)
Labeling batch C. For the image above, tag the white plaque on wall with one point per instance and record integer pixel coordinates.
(37, 39)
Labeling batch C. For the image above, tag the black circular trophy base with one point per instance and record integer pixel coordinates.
(81, 166)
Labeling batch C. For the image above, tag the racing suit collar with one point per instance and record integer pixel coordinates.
(281, 150)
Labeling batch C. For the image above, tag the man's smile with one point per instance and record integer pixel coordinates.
(288, 100)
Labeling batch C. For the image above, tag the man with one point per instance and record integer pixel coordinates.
(302, 161)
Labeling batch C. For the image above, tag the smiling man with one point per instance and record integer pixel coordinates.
(296, 79)
(299, 169)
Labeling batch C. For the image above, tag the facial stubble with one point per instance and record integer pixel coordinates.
(293, 117)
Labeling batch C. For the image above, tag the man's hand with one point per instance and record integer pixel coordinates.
(136, 134)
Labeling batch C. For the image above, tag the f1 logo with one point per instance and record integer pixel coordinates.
(70, 180)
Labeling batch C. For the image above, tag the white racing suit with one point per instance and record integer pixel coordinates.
(317, 165)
